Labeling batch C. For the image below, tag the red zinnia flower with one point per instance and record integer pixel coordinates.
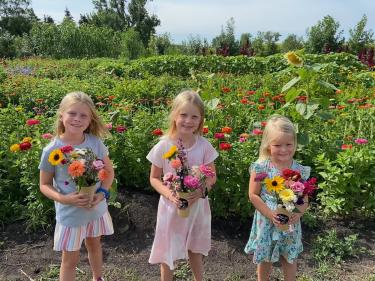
(32, 122)
(205, 130)
(244, 101)
(121, 129)
(67, 149)
(225, 89)
(346, 146)
(261, 107)
(249, 93)
(25, 145)
(157, 132)
(225, 146)
(257, 132)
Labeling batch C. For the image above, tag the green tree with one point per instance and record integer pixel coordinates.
(291, 43)
(264, 43)
(120, 16)
(131, 44)
(325, 36)
(16, 16)
(360, 38)
(226, 43)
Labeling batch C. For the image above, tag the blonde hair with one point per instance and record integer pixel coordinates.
(276, 124)
(184, 98)
(96, 127)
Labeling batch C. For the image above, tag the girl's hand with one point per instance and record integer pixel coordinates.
(194, 196)
(275, 219)
(98, 197)
(77, 199)
(295, 217)
(173, 198)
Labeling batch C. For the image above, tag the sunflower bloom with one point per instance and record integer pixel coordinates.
(275, 184)
(76, 169)
(15, 147)
(293, 59)
(287, 195)
(55, 157)
(170, 153)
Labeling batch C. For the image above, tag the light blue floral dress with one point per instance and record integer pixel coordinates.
(266, 241)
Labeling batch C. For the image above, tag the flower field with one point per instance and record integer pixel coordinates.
(331, 99)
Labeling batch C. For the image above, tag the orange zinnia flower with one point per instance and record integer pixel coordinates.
(103, 174)
(76, 169)
(226, 130)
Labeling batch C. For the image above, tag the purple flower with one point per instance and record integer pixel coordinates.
(191, 182)
(361, 141)
(98, 164)
(260, 176)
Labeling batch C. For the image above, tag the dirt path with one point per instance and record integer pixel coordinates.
(126, 253)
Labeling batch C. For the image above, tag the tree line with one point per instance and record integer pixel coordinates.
(124, 28)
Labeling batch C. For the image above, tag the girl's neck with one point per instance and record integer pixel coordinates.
(187, 140)
(282, 165)
(72, 139)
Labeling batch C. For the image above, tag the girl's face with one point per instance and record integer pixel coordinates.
(282, 148)
(188, 119)
(76, 118)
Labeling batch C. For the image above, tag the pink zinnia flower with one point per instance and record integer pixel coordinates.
(168, 177)
(109, 126)
(191, 182)
(361, 141)
(297, 186)
(47, 136)
(207, 171)
(32, 122)
(257, 132)
(219, 135)
(260, 176)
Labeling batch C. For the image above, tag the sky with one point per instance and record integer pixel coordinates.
(206, 18)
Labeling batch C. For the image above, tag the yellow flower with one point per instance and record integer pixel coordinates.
(275, 184)
(27, 139)
(293, 59)
(287, 195)
(56, 157)
(19, 109)
(170, 153)
(15, 147)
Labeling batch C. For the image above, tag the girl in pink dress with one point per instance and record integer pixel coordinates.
(178, 237)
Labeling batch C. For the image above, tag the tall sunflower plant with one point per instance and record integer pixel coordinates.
(308, 91)
(289, 189)
(84, 167)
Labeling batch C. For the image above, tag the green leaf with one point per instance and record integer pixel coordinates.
(303, 138)
(212, 104)
(310, 110)
(301, 108)
(325, 115)
(290, 84)
(292, 95)
(327, 85)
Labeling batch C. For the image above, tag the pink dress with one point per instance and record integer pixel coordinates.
(175, 235)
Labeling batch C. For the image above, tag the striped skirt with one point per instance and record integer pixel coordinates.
(70, 238)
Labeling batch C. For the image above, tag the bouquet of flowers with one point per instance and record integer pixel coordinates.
(84, 168)
(289, 190)
(186, 179)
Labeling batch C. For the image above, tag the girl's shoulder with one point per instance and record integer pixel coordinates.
(53, 144)
(260, 166)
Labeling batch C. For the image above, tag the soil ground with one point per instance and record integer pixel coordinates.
(30, 256)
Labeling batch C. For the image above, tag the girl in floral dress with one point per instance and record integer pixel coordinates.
(178, 237)
(267, 242)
